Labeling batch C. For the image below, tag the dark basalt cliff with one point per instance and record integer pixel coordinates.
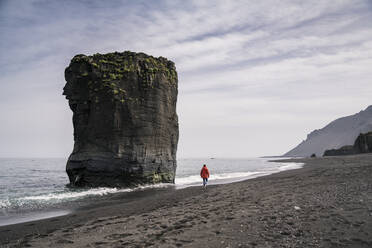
(363, 144)
(124, 118)
(345, 150)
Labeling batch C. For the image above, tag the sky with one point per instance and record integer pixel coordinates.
(255, 77)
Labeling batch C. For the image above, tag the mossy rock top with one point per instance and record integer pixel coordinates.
(115, 65)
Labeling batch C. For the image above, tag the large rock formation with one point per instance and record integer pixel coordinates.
(338, 133)
(363, 144)
(345, 150)
(124, 117)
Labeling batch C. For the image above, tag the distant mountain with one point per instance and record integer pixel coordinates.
(338, 133)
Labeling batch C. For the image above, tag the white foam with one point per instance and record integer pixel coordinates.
(90, 192)
(233, 175)
(290, 166)
(195, 179)
(5, 203)
(187, 180)
(74, 194)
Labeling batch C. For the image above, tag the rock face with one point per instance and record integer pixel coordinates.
(345, 150)
(124, 118)
(338, 133)
(363, 144)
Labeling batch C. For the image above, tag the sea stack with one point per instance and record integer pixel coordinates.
(124, 118)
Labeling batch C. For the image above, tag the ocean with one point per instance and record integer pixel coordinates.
(32, 189)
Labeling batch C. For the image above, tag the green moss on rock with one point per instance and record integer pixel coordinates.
(107, 73)
(114, 66)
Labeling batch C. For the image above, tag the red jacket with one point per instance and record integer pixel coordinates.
(204, 173)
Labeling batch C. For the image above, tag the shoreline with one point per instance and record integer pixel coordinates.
(306, 207)
(108, 194)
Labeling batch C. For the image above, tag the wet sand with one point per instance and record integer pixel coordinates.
(328, 203)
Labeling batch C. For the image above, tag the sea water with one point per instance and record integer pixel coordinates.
(32, 189)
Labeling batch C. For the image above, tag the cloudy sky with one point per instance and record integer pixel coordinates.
(254, 76)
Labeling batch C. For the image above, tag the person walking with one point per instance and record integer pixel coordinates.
(204, 173)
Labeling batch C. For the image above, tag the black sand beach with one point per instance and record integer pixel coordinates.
(328, 203)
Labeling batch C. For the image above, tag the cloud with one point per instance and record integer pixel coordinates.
(254, 74)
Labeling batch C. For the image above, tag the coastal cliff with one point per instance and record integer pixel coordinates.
(340, 132)
(363, 144)
(124, 118)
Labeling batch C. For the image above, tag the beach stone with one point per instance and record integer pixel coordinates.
(124, 118)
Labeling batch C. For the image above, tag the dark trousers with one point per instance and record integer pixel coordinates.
(205, 181)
